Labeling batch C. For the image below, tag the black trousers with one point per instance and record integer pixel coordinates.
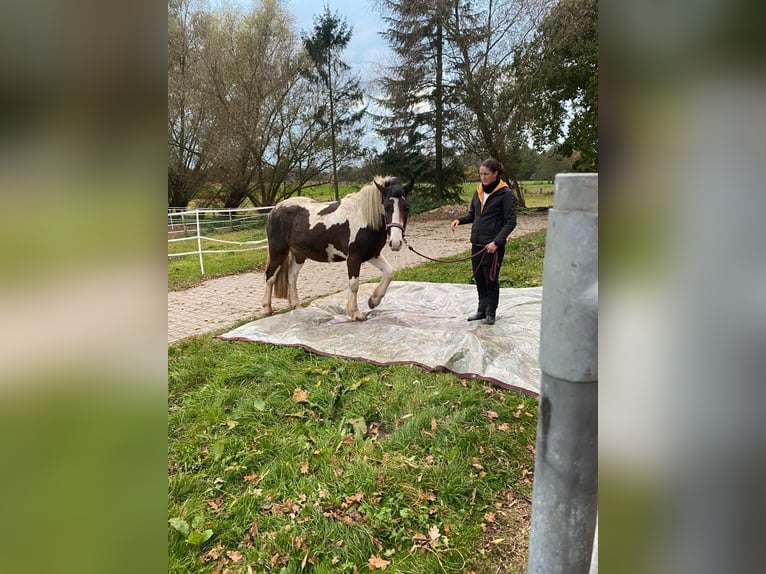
(487, 279)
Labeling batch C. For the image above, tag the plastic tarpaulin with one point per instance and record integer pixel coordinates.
(419, 323)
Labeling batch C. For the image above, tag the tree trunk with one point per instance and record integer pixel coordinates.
(439, 114)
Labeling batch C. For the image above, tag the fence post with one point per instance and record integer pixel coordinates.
(564, 496)
(199, 243)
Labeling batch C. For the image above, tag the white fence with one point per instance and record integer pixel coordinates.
(185, 221)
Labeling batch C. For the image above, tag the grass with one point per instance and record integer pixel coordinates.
(184, 271)
(280, 460)
(522, 265)
(536, 193)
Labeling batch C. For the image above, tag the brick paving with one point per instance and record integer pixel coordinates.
(222, 302)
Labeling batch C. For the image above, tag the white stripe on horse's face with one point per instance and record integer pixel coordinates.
(396, 233)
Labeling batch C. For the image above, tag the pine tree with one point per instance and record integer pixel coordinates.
(416, 94)
(330, 37)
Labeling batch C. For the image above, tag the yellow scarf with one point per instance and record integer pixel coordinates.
(480, 191)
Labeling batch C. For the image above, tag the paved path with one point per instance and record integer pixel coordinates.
(220, 303)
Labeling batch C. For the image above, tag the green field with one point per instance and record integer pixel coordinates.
(280, 460)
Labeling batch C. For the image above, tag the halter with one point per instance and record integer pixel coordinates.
(399, 225)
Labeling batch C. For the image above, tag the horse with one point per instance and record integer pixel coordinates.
(353, 230)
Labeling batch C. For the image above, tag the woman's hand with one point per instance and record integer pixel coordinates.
(454, 224)
(491, 247)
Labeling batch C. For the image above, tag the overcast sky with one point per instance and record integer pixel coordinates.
(367, 49)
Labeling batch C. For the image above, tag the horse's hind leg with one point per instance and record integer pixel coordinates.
(388, 273)
(292, 281)
(273, 268)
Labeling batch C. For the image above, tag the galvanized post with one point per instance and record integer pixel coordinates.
(564, 496)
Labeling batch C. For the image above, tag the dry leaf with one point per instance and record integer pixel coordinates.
(489, 517)
(358, 497)
(300, 396)
(377, 563)
(492, 415)
(250, 477)
(433, 533)
(433, 425)
(305, 468)
(503, 427)
(235, 556)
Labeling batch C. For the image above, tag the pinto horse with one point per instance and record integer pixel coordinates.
(353, 230)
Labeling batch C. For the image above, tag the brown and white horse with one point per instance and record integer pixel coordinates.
(353, 230)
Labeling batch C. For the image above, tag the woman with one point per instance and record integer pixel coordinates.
(492, 214)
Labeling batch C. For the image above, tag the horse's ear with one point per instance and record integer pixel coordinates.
(381, 189)
(408, 187)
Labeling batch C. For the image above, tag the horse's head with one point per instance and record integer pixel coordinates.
(396, 208)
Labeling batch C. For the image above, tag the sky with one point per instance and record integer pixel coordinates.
(366, 50)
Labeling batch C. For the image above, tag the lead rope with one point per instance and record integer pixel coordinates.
(483, 252)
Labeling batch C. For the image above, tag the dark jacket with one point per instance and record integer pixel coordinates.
(496, 220)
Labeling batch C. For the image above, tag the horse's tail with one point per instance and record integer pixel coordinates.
(280, 283)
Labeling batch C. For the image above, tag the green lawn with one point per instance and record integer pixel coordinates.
(280, 460)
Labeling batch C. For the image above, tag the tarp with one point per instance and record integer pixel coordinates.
(419, 323)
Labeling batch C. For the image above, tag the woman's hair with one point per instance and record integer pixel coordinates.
(493, 165)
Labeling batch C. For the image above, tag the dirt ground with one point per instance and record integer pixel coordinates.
(225, 301)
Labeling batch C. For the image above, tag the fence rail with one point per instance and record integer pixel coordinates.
(185, 221)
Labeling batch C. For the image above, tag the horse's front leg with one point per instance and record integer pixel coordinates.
(352, 309)
(388, 273)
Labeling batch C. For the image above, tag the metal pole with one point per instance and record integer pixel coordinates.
(564, 495)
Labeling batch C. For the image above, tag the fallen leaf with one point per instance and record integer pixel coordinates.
(378, 563)
(355, 498)
(492, 415)
(250, 477)
(489, 517)
(235, 555)
(300, 396)
(433, 533)
(305, 468)
(433, 425)
(503, 427)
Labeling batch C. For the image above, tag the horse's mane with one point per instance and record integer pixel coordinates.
(370, 203)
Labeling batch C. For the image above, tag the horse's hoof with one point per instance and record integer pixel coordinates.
(359, 317)
(371, 303)
(267, 310)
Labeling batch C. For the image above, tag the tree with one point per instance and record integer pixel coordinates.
(557, 73)
(267, 135)
(188, 118)
(416, 93)
(485, 36)
(343, 111)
